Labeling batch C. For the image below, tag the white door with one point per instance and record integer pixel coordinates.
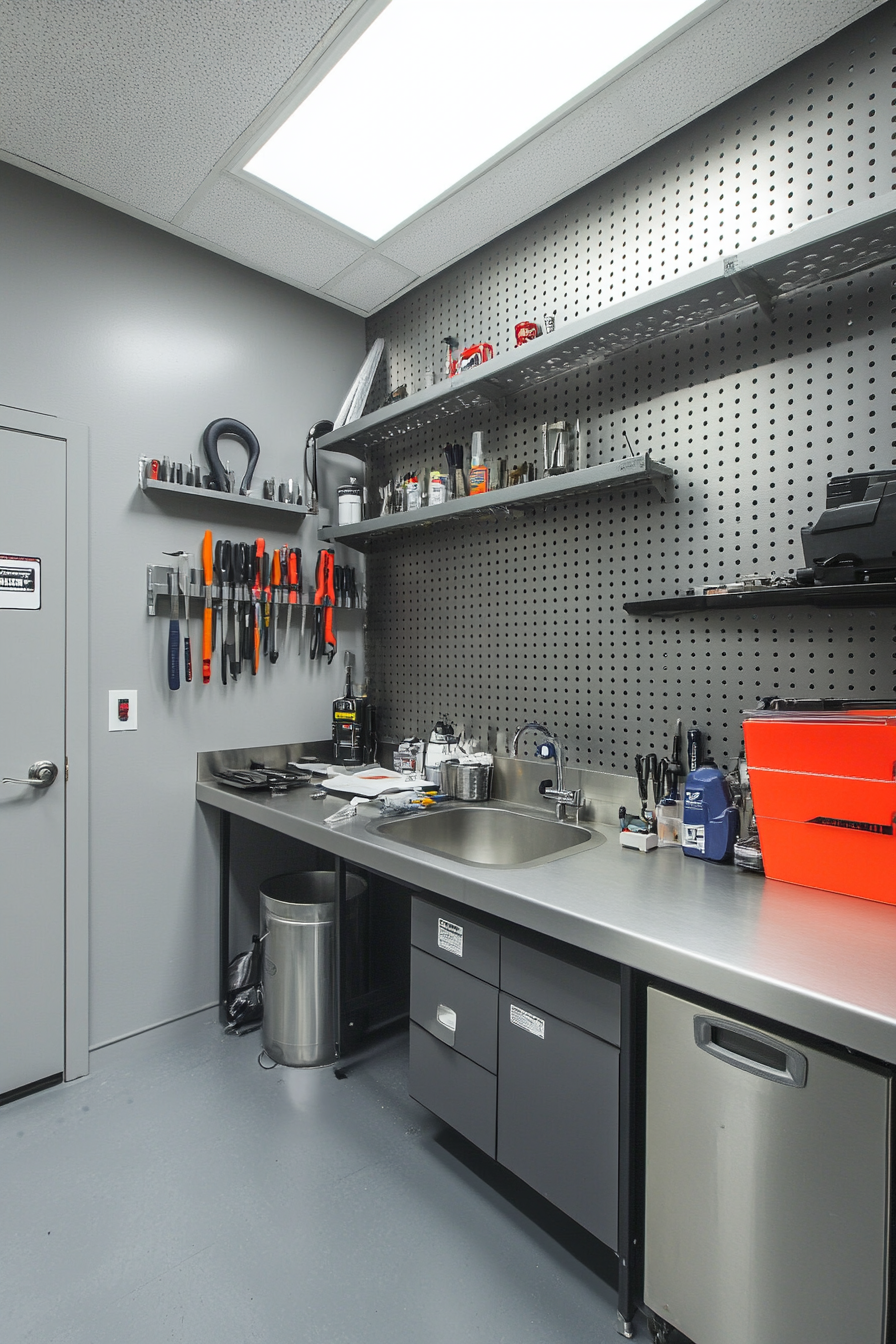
(32, 731)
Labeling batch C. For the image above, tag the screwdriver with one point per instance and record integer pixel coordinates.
(218, 607)
(256, 604)
(292, 578)
(266, 593)
(188, 653)
(226, 567)
(207, 614)
(184, 578)
(276, 574)
(174, 630)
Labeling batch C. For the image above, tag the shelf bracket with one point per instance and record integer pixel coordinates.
(750, 285)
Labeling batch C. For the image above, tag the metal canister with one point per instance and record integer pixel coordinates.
(299, 966)
(349, 503)
(473, 781)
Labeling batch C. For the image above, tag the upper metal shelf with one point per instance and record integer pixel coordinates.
(629, 473)
(830, 248)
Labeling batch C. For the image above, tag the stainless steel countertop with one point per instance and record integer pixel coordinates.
(810, 959)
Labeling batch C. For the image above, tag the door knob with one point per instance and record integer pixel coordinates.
(40, 775)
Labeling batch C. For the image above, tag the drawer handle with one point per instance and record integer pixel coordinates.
(446, 1017)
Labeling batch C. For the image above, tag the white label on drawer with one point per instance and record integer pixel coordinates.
(520, 1018)
(451, 937)
(694, 837)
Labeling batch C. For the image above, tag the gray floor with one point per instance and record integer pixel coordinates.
(180, 1193)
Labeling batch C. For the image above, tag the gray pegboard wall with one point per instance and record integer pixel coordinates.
(497, 621)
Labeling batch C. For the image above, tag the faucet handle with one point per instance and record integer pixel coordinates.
(544, 786)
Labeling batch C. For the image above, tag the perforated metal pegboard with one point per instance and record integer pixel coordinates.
(499, 621)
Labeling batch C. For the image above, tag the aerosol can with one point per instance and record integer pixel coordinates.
(353, 725)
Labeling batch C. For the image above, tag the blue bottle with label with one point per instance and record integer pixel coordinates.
(710, 821)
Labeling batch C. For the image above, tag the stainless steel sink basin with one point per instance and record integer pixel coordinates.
(487, 836)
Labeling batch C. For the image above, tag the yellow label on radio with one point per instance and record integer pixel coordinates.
(340, 714)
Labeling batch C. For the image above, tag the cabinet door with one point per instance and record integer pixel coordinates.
(453, 1088)
(558, 1113)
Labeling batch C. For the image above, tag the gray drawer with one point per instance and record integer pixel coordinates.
(442, 995)
(558, 1114)
(453, 1088)
(584, 998)
(455, 939)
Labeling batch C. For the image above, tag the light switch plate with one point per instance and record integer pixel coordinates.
(122, 702)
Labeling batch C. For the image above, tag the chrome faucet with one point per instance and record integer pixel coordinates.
(564, 797)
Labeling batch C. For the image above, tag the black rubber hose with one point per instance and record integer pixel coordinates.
(233, 429)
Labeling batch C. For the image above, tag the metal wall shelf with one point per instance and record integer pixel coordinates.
(626, 474)
(829, 248)
(824, 596)
(164, 491)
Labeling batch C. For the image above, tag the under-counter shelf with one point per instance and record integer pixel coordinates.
(621, 475)
(828, 248)
(825, 596)
(164, 491)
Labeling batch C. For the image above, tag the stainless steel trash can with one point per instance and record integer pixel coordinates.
(299, 913)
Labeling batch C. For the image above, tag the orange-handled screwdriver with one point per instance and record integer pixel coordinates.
(207, 570)
(257, 595)
(276, 580)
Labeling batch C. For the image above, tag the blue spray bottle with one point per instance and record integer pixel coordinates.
(710, 821)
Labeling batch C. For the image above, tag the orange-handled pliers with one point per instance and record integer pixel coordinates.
(207, 573)
(323, 640)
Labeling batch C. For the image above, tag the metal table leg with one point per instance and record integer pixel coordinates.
(223, 910)
(631, 1152)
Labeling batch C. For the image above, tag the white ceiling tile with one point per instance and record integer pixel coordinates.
(729, 49)
(266, 232)
(141, 100)
(371, 282)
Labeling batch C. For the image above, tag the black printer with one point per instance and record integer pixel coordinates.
(854, 540)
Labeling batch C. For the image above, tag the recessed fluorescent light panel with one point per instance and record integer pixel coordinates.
(432, 89)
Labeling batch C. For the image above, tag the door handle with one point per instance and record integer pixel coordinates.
(40, 775)
(753, 1051)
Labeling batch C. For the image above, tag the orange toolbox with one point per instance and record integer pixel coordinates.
(823, 779)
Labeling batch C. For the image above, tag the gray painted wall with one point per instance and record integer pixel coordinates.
(145, 339)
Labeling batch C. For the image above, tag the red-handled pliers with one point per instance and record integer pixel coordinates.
(323, 639)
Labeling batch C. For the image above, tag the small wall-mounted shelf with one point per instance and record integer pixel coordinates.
(825, 596)
(831, 247)
(623, 475)
(163, 491)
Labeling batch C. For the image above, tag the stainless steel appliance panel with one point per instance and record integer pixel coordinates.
(767, 1184)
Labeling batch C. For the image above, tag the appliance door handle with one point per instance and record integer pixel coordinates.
(750, 1050)
(446, 1017)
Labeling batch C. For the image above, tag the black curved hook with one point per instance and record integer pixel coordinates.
(234, 429)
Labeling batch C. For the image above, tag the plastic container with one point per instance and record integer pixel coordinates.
(824, 795)
(299, 964)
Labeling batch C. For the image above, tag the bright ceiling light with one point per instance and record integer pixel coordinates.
(432, 90)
